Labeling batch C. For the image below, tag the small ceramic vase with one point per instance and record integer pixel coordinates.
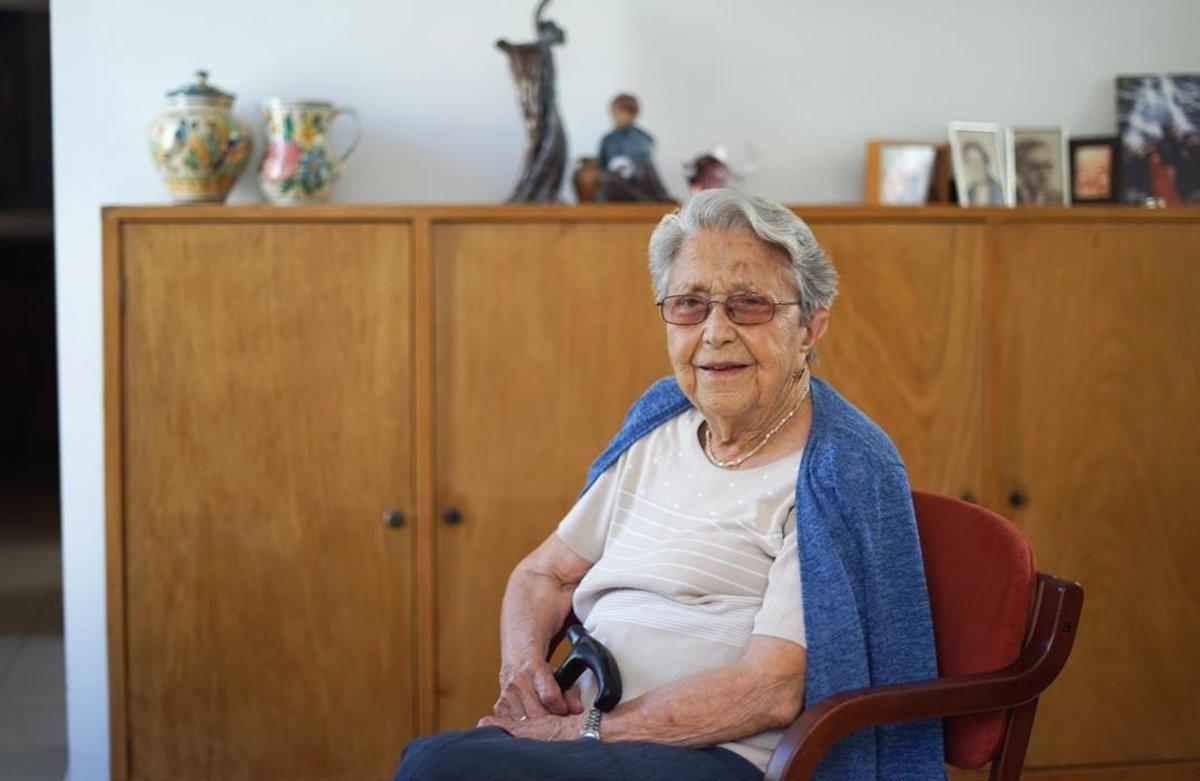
(200, 148)
(299, 166)
(586, 179)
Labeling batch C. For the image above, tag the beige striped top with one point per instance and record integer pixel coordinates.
(690, 560)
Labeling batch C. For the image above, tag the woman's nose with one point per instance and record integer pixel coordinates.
(718, 328)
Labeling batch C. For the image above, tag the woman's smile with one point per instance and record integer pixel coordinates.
(723, 369)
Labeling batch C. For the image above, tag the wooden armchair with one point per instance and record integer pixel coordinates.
(1003, 632)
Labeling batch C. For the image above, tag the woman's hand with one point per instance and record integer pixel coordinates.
(528, 689)
(548, 727)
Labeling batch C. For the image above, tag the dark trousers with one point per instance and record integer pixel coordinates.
(493, 753)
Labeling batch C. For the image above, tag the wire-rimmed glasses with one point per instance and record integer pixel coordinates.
(741, 308)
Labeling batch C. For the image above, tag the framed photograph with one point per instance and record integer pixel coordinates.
(899, 173)
(1037, 166)
(1094, 169)
(978, 161)
(1158, 119)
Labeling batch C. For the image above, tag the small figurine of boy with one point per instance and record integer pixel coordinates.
(627, 170)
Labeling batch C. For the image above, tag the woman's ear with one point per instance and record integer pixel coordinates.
(817, 324)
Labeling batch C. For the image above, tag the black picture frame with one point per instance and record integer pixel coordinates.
(1114, 168)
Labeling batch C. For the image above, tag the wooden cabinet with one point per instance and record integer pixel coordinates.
(265, 427)
(1093, 401)
(280, 381)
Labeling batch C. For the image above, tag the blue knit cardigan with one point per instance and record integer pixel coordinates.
(866, 606)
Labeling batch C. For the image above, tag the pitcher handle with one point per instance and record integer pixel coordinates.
(347, 111)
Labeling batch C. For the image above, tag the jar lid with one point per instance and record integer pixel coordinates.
(201, 90)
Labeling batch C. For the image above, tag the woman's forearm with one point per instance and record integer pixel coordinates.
(714, 706)
(534, 607)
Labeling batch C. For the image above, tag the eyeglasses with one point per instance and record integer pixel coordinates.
(742, 308)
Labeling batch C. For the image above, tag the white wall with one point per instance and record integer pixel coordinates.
(805, 82)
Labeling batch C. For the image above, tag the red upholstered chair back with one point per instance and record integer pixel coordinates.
(981, 578)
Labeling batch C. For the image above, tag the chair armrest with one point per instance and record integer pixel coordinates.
(1057, 607)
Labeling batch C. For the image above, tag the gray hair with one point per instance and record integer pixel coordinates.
(728, 209)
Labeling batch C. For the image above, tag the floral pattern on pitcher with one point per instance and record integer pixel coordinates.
(299, 166)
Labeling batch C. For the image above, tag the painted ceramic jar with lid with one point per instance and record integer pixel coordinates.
(199, 146)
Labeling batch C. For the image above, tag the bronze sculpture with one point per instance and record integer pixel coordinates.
(532, 66)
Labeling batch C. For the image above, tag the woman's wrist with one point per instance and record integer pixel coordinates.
(573, 725)
(510, 660)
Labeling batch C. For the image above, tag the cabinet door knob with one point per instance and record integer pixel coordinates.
(1018, 498)
(393, 518)
(451, 515)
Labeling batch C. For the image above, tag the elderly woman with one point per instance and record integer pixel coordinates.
(745, 544)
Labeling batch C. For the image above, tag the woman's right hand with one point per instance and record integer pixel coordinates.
(528, 689)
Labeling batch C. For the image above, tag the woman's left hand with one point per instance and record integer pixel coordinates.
(547, 727)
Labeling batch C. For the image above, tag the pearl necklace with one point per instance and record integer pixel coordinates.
(727, 464)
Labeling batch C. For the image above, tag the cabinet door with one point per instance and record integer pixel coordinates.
(266, 420)
(545, 334)
(1093, 396)
(903, 342)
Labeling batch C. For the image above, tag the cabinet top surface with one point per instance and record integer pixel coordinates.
(621, 213)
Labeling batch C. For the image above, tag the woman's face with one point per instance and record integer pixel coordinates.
(720, 263)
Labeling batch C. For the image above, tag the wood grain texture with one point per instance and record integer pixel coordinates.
(872, 191)
(267, 428)
(1093, 409)
(904, 341)
(546, 333)
(1184, 771)
(425, 478)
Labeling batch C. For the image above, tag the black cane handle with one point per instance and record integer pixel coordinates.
(588, 653)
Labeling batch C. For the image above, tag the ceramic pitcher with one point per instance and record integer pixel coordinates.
(299, 166)
(200, 148)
